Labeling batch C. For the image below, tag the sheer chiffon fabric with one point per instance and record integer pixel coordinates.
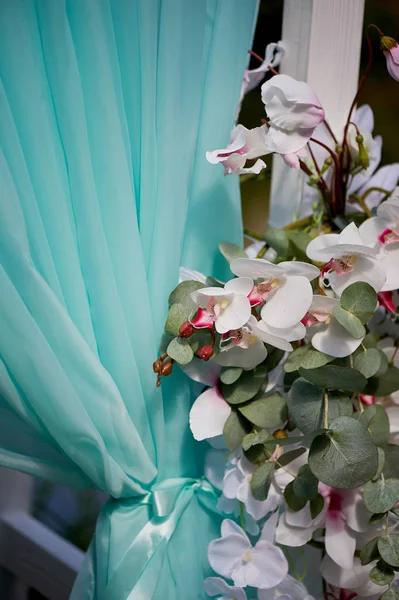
(106, 110)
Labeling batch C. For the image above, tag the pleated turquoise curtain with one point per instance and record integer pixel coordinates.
(106, 110)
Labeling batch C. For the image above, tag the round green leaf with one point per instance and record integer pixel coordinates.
(382, 574)
(360, 299)
(268, 412)
(231, 251)
(350, 322)
(178, 313)
(381, 463)
(182, 294)
(305, 484)
(293, 501)
(234, 430)
(230, 375)
(305, 405)
(368, 362)
(316, 506)
(335, 378)
(180, 350)
(391, 464)
(384, 385)
(345, 457)
(388, 546)
(370, 552)
(246, 387)
(390, 594)
(375, 419)
(261, 480)
(380, 496)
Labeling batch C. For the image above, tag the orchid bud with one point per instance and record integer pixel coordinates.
(157, 365)
(205, 352)
(363, 157)
(390, 48)
(186, 329)
(166, 369)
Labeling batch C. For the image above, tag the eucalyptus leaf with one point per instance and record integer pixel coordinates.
(345, 457)
(246, 387)
(316, 506)
(368, 362)
(360, 298)
(261, 480)
(234, 430)
(382, 574)
(182, 294)
(260, 437)
(277, 239)
(350, 322)
(291, 455)
(229, 375)
(388, 546)
(370, 552)
(335, 378)
(384, 385)
(231, 251)
(274, 357)
(373, 520)
(390, 594)
(305, 484)
(293, 501)
(178, 314)
(381, 463)
(306, 357)
(384, 364)
(382, 495)
(268, 412)
(305, 404)
(376, 421)
(391, 465)
(339, 405)
(180, 351)
(299, 241)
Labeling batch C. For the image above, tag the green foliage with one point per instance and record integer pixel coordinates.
(360, 299)
(178, 314)
(180, 351)
(234, 430)
(350, 322)
(369, 362)
(274, 357)
(246, 387)
(261, 480)
(345, 456)
(306, 357)
(376, 421)
(382, 574)
(277, 239)
(230, 375)
(255, 448)
(382, 495)
(384, 385)
(231, 251)
(182, 294)
(370, 552)
(293, 501)
(334, 377)
(390, 594)
(268, 412)
(289, 456)
(305, 484)
(316, 506)
(381, 463)
(391, 464)
(305, 404)
(388, 546)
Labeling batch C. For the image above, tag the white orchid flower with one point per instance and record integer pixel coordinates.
(382, 233)
(288, 589)
(294, 111)
(242, 347)
(283, 290)
(343, 516)
(244, 144)
(355, 578)
(326, 334)
(234, 557)
(225, 308)
(214, 586)
(347, 259)
(208, 414)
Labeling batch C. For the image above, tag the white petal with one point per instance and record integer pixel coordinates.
(366, 269)
(320, 244)
(235, 315)
(225, 554)
(255, 141)
(277, 567)
(231, 481)
(216, 585)
(253, 250)
(237, 143)
(269, 528)
(207, 373)
(246, 358)
(364, 118)
(387, 178)
(289, 303)
(240, 285)
(190, 275)
(393, 416)
(296, 267)
(292, 536)
(334, 340)
(287, 142)
(389, 262)
(202, 296)
(357, 515)
(362, 179)
(300, 518)
(288, 589)
(344, 578)
(339, 541)
(323, 304)
(273, 340)
(371, 229)
(208, 414)
(255, 168)
(230, 527)
(291, 334)
(255, 268)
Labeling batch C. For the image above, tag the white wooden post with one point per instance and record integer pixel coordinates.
(322, 39)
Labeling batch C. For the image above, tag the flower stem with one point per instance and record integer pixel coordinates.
(330, 131)
(242, 516)
(325, 410)
(376, 189)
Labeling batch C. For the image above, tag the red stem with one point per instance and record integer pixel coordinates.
(258, 57)
(330, 131)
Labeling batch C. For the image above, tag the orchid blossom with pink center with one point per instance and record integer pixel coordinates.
(382, 234)
(244, 144)
(294, 111)
(324, 331)
(348, 259)
(390, 47)
(223, 308)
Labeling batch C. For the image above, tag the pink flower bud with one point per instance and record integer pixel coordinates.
(390, 48)
(205, 353)
(186, 329)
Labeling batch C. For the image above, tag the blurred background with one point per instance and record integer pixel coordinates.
(73, 514)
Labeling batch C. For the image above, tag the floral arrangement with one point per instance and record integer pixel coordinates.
(299, 355)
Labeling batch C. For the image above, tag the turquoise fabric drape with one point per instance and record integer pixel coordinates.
(106, 110)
